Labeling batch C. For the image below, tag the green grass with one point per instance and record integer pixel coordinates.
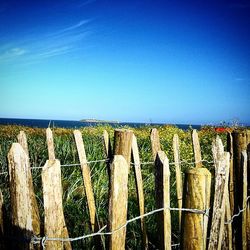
(74, 199)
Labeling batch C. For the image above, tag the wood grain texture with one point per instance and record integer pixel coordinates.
(20, 193)
(196, 194)
(178, 174)
(86, 177)
(50, 144)
(162, 187)
(196, 149)
(139, 188)
(54, 222)
(22, 139)
(155, 142)
(118, 202)
(244, 202)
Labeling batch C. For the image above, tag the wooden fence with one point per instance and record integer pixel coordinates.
(219, 223)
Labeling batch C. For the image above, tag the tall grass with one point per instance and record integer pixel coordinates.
(74, 198)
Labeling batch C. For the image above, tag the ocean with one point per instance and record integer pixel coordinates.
(39, 123)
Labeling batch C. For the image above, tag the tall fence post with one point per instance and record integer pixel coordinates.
(196, 194)
(222, 165)
(240, 142)
(22, 139)
(139, 187)
(86, 177)
(123, 143)
(231, 171)
(244, 202)
(107, 150)
(196, 149)
(155, 142)
(118, 203)
(54, 222)
(21, 210)
(178, 174)
(50, 144)
(162, 188)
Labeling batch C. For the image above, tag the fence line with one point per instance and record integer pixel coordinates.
(42, 240)
(134, 164)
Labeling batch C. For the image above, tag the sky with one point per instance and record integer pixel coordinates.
(132, 61)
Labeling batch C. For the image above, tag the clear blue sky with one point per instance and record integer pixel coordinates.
(138, 61)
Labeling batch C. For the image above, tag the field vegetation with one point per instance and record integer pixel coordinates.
(74, 199)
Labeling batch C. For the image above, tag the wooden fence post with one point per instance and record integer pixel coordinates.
(22, 139)
(231, 171)
(196, 149)
(178, 174)
(20, 194)
(123, 143)
(240, 142)
(107, 150)
(139, 186)
(222, 165)
(162, 188)
(196, 194)
(54, 222)
(155, 142)
(118, 203)
(50, 144)
(86, 177)
(244, 202)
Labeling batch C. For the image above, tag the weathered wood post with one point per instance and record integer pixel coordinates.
(196, 194)
(196, 149)
(241, 139)
(155, 142)
(118, 203)
(22, 139)
(54, 222)
(222, 165)
(244, 202)
(20, 193)
(231, 171)
(50, 144)
(107, 150)
(248, 193)
(178, 174)
(162, 188)
(139, 187)
(86, 177)
(123, 143)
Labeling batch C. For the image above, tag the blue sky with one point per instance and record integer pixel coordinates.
(138, 61)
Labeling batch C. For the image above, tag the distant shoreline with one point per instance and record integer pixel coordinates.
(98, 121)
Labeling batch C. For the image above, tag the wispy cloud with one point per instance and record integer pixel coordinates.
(86, 2)
(36, 48)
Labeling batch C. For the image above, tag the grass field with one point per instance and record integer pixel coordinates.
(74, 199)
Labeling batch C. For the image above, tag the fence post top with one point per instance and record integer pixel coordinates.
(199, 171)
(123, 130)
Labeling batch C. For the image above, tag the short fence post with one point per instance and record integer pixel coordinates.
(54, 222)
(196, 194)
(123, 143)
(197, 149)
(86, 177)
(20, 194)
(162, 188)
(118, 203)
(178, 174)
(50, 144)
(107, 150)
(155, 142)
(139, 186)
(222, 165)
(22, 139)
